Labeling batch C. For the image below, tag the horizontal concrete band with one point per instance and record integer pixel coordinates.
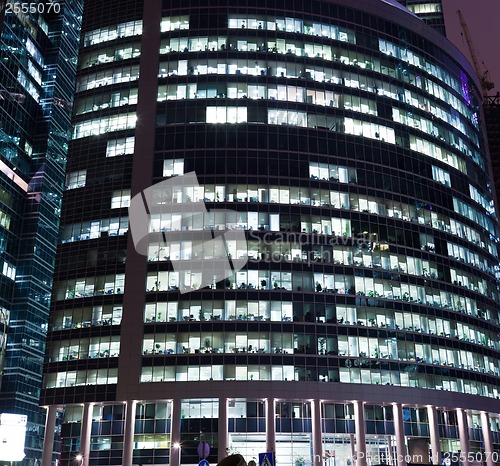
(328, 391)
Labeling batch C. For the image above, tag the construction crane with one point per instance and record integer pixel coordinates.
(482, 73)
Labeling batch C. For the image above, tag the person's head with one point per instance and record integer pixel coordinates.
(233, 460)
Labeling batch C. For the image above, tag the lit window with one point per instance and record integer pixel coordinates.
(34, 72)
(324, 171)
(120, 146)
(370, 130)
(28, 148)
(173, 167)
(287, 117)
(120, 199)
(480, 199)
(4, 220)
(43, 24)
(106, 100)
(466, 210)
(9, 270)
(441, 176)
(90, 286)
(131, 28)
(425, 8)
(95, 229)
(226, 115)
(121, 74)
(105, 125)
(85, 377)
(28, 85)
(174, 23)
(34, 52)
(76, 179)
(108, 55)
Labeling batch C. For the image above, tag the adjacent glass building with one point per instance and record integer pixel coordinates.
(431, 12)
(37, 74)
(492, 117)
(349, 142)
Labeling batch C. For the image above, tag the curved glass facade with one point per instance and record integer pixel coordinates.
(346, 149)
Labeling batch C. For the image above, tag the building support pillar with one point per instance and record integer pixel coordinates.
(463, 432)
(390, 456)
(175, 433)
(270, 425)
(317, 440)
(48, 440)
(86, 432)
(399, 430)
(222, 440)
(434, 435)
(129, 431)
(359, 426)
(487, 438)
(352, 438)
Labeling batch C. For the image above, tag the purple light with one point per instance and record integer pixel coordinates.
(465, 86)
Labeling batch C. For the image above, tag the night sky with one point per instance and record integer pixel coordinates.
(483, 20)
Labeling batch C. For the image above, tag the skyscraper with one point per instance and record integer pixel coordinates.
(492, 117)
(431, 12)
(344, 143)
(37, 72)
